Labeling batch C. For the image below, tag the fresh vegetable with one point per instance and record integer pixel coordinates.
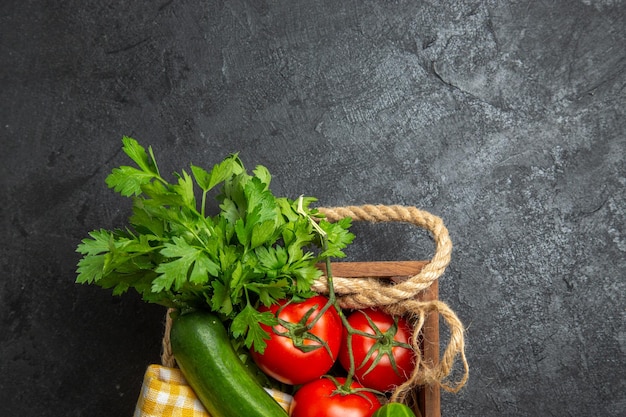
(327, 398)
(394, 410)
(304, 344)
(383, 357)
(255, 250)
(212, 368)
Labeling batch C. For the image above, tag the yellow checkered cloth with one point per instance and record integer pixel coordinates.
(165, 393)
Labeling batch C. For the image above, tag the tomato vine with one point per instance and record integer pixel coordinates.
(384, 342)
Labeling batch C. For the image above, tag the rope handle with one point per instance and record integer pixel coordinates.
(367, 292)
(401, 298)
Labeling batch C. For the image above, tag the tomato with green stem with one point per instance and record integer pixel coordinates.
(304, 344)
(383, 357)
(331, 398)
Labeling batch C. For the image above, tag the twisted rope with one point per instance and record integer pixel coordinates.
(366, 292)
(426, 373)
(167, 356)
(400, 298)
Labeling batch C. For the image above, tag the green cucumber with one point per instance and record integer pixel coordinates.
(212, 368)
(394, 410)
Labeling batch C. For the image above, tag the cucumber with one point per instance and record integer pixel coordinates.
(212, 368)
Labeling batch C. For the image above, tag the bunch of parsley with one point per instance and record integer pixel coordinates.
(256, 250)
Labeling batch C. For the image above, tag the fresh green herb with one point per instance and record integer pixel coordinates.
(255, 250)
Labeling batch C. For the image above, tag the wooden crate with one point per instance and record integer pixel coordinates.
(429, 397)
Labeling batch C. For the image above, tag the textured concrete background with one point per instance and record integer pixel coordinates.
(505, 118)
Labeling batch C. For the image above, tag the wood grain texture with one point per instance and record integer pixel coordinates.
(376, 269)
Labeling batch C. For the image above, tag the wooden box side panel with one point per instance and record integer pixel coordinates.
(430, 396)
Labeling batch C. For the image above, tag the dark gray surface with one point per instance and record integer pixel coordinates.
(505, 118)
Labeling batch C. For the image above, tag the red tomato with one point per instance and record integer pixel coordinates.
(283, 360)
(389, 342)
(318, 399)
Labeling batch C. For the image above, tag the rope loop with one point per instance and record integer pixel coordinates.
(367, 292)
(400, 298)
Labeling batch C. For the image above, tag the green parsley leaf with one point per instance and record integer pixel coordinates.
(248, 322)
(128, 180)
(338, 237)
(272, 259)
(174, 273)
(220, 172)
(220, 301)
(184, 189)
(269, 293)
(98, 243)
(262, 233)
(137, 153)
(90, 269)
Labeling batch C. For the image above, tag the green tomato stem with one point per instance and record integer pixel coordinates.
(332, 297)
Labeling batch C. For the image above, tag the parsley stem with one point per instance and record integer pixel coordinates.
(203, 204)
